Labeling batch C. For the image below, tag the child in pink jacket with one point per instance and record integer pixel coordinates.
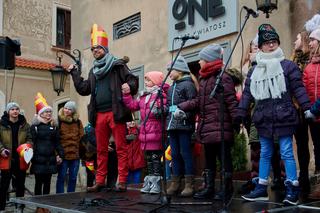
(150, 133)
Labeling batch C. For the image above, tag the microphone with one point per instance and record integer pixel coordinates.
(250, 11)
(187, 37)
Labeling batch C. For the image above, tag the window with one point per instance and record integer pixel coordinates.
(139, 72)
(127, 26)
(61, 26)
(1, 16)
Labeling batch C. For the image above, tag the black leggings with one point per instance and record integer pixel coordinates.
(6, 176)
(42, 186)
(212, 152)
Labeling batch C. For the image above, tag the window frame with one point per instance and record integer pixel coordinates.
(55, 8)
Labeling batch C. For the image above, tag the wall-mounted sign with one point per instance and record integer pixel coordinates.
(207, 19)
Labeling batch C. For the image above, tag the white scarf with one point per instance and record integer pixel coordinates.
(267, 77)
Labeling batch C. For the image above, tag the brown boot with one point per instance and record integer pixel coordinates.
(315, 192)
(174, 185)
(95, 188)
(188, 186)
(39, 210)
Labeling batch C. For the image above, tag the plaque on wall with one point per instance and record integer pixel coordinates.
(208, 19)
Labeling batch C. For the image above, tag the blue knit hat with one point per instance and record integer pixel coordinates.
(211, 53)
(11, 105)
(180, 65)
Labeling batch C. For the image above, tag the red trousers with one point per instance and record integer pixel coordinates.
(105, 125)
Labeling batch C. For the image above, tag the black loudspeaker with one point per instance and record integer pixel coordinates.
(8, 50)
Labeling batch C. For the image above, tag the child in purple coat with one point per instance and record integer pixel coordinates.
(150, 134)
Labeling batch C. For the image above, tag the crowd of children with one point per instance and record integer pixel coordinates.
(279, 95)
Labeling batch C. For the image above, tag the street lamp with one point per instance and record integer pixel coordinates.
(266, 6)
(59, 74)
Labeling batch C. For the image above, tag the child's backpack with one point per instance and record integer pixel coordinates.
(88, 146)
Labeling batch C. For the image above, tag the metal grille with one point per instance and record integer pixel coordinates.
(127, 26)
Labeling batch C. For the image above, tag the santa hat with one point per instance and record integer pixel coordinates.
(25, 152)
(99, 37)
(41, 104)
(155, 76)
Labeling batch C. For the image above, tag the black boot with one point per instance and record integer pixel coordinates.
(208, 190)
(228, 189)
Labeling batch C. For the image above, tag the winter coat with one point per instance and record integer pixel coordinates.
(276, 117)
(311, 80)
(119, 74)
(209, 127)
(150, 134)
(71, 131)
(181, 91)
(24, 134)
(46, 146)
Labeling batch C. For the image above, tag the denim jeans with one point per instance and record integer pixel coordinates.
(286, 152)
(134, 176)
(72, 167)
(181, 152)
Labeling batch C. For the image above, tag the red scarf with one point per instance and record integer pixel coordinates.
(211, 68)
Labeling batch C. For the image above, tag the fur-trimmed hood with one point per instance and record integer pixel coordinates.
(62, 117)
(36, 120)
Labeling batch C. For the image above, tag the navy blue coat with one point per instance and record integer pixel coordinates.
(277, 117)
(181, 91)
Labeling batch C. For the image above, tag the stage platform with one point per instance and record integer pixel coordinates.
(133, 201)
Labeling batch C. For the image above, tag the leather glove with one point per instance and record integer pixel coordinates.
(309, 115)
(179, 114)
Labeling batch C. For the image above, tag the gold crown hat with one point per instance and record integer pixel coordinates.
(41, 104)
(99, 37)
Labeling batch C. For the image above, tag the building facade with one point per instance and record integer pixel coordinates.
(42, 29)
(145, 30)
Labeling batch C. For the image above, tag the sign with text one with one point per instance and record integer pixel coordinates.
(207, 19)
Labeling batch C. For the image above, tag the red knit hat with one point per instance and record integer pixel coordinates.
(99, 37)
(155, 76)
(41, 104)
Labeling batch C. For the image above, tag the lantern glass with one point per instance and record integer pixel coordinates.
(59, 77)
(267, 6)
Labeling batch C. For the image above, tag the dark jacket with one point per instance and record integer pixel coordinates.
(24, 134)
(181, 90)
(119, 75)
(46, 146)
(209, 128)
(277, 117)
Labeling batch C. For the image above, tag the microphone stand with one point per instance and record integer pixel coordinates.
(165, 199)
(219, 88)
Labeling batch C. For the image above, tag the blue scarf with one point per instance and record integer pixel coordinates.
(102, 66)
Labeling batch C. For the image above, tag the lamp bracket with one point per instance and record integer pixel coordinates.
(75, 56)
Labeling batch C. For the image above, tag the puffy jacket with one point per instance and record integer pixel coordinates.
(311, 80)
(46, 146)
(71, 131)
(181, 91)
(277, 117)
(150, 134)
(24, 134)
(119, 75)
(209, 127)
